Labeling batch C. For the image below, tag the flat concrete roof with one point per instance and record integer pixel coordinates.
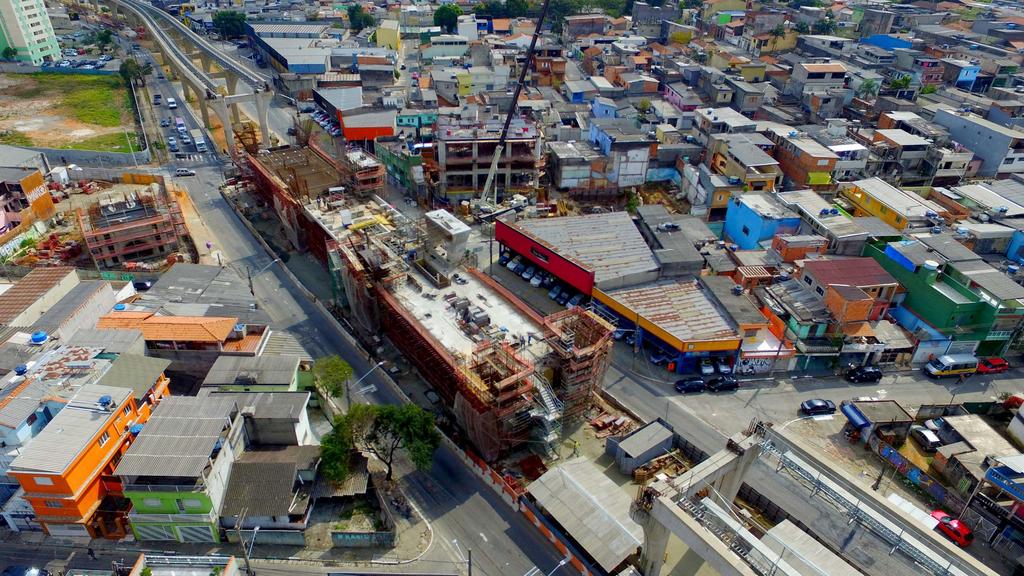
(608, 244)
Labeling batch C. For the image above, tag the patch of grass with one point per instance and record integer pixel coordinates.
(97, 100)
(14, 138)
(115, 142)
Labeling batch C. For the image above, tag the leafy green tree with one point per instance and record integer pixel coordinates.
(386, 430)
(358, 18)
(332, 374)
(867, 88)
(825, 26)
(516, 8)
(802, 28)
(447, 17)
(229, 23)
(10, 52)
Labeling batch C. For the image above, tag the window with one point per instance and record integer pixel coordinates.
(43, 480)
(104, 438)
(54, 504)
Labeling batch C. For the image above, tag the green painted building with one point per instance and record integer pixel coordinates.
(177, 469)
(954, 291)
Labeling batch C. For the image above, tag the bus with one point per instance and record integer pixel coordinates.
(198, 139)
(951, 365)
(179, 123)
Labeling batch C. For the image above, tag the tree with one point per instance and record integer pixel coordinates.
(825, 26)
(802, 28)
(130, 70)
(867, 88)
(332, 374)
(447, 17)
(358, 18)
(385, 430)
(10, 52)
(104, 37)
(777, 32)
(516, 8)
(229, 23)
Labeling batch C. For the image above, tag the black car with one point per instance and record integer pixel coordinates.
(864, 374)
(722, 384)
(691, 384)
(817, 407)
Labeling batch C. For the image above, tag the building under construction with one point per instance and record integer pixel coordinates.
(481, 349)
(139, 226)
(580, 341)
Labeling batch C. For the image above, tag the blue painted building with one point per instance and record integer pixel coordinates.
(753, 218)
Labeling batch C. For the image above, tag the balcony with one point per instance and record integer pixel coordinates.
(208, 516)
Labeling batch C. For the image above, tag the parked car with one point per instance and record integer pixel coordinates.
(925, 438)
(723, 384)
(574, 301)
(817, 407)
(563, 297)
(723, 366)
(960, 533)
(529, 272)
(707, 368)
(864, 374)
(691, 384)
(993, 365)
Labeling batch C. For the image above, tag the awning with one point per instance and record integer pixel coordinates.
(856, 418)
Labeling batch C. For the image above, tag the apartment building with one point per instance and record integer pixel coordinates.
(67, 471)
(25, 27)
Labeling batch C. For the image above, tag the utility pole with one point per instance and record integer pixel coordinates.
(241, 540)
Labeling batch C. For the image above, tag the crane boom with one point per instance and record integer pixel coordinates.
(485, 194)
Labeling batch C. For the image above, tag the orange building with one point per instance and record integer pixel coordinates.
(67, 470)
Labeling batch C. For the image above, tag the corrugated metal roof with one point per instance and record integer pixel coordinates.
(591, 508)
(179, 437)
(137, 373)
(71, 431)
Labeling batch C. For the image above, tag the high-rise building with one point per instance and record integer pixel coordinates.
(25, 26)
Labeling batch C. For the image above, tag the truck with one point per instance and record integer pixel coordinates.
(198, 139)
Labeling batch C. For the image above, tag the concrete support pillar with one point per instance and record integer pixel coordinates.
(220, 108)
(652, 555)
(728, 486)
(262, 112)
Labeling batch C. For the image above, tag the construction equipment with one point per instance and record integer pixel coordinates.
(489, 200)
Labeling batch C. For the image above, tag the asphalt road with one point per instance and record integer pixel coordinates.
(458, 505)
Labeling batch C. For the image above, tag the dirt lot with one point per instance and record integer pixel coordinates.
(83, 112)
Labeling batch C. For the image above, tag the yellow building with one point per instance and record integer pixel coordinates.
(898, 208)
(389, 35)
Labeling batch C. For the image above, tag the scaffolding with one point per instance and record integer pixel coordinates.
(581, 341)
(495, 388)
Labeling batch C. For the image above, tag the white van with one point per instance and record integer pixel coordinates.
(171, 103)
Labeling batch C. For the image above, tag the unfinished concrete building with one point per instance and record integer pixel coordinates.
(140, 226)
(502, 402)
(580, 341)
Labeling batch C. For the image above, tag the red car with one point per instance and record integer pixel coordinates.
(992, 366)
(960, 533)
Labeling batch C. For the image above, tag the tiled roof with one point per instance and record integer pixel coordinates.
(862, 271)
(29, 289)
(171, 328)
